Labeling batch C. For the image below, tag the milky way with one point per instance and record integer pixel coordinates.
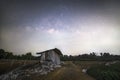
(73, 26)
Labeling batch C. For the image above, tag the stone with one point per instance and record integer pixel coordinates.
(84, 70)
(26, 71)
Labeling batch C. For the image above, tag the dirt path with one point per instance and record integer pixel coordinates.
(69, 71)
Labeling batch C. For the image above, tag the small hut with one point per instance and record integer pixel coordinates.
(52, 55)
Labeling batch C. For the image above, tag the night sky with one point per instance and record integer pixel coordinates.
(73, 26)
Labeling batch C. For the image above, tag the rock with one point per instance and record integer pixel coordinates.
(44, 73)
(107, 64)
(57, 66)
(27, 75)
(27, 70)
(84, 70)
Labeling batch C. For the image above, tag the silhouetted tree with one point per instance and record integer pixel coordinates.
(9, 55)
(29, 55)
(106, 54)
(101, 54)
(93, 54)
(2, 53)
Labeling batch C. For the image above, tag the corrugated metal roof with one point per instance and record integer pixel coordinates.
(55, 49)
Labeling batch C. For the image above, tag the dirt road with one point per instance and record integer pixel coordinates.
(69, 71)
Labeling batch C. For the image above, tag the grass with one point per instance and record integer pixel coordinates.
(102, 72)
(88, 64)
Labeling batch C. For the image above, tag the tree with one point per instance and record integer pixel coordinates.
(9, 55)
(2, 53)
(93, 54)
(101, 54)
(106, 54)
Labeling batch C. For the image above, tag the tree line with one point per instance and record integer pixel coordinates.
(83, 57)
(91, 57)
(9, 55)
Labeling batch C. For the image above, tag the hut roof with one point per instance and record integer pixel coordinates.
(55, 49)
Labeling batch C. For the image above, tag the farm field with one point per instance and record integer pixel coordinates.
(8, 65)
(70, 70)
(108, 71)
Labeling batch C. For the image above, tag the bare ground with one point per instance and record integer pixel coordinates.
(69, 71)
